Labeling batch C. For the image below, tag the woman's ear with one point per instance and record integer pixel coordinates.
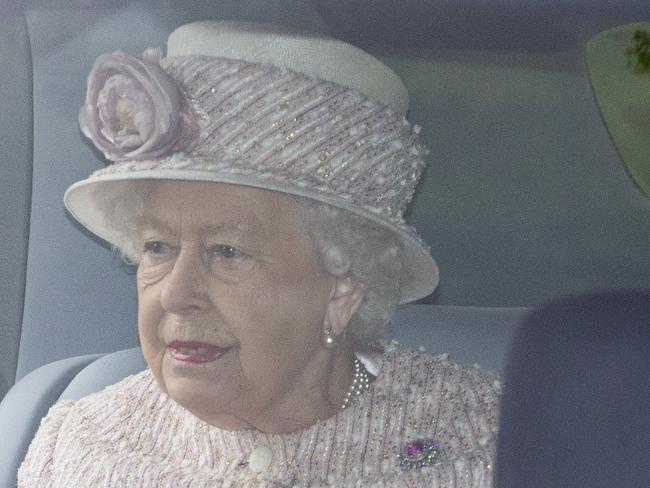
(345, 298)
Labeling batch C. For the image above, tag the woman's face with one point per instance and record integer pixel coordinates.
(232, 299)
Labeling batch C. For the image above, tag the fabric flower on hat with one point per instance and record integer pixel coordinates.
(134, 110)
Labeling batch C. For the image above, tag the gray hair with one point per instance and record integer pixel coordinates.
(352, 246)
(347, 245)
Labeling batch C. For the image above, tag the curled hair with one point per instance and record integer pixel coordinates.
(352, 246)
(121, 210)
(347, 245)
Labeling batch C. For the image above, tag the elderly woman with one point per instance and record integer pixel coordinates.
(258, 182)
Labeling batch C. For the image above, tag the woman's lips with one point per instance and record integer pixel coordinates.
(195, 352)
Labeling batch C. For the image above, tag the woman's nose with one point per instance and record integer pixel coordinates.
(184, 287)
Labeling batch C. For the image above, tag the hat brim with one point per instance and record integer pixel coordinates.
(83, 199)
(623, 97)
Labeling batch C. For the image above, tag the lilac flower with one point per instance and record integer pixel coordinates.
(133, 108)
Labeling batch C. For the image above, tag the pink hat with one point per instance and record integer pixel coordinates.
(251, 105)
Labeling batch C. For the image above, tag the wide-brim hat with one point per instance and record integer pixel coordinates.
(255, 105)
(622, 89)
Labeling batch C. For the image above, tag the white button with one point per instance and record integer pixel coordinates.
(260, 459)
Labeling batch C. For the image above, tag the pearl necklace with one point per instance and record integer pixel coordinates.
(360, 382)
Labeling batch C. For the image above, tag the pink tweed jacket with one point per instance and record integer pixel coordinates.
(132, 434)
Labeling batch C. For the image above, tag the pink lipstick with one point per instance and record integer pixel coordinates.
(195, 352)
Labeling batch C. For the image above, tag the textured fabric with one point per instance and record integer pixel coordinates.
(131, 434)
(320, 57)
(277, 124)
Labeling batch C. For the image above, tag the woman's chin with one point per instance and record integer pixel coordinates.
(204, 400)
(197, 383)
(211, 414)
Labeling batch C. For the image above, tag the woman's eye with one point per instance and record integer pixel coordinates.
(156, 247)
(225, 252)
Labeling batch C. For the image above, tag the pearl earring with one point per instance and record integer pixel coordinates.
(328, 341)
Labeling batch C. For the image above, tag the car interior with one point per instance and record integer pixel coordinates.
(525, 200)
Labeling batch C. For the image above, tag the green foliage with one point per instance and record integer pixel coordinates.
(639, 52)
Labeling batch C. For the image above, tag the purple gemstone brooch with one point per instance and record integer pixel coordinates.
(419, 454)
